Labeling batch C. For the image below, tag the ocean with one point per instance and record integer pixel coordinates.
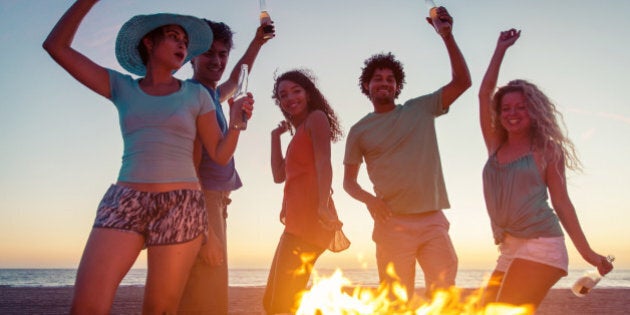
(258, 278)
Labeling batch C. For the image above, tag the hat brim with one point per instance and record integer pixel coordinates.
(131, 33)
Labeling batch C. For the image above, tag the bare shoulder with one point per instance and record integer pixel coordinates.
(549, 158)
(552, 152)
(316, 118)
(316, 114)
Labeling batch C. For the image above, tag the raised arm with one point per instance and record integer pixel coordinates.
(59, 45)
(556, 182)
(228, 87)
(277, 160)
(489, 84)
(460, 80)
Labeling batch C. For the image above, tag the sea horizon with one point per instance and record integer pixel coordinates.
(257, 277)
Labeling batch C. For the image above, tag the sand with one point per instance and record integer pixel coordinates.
(246, 300)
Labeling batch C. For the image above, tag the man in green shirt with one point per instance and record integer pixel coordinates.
(399, 146)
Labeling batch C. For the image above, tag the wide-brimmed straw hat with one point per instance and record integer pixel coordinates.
(132, 32)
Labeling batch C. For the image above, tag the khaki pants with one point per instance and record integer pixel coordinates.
(207, 289)
(406, 239)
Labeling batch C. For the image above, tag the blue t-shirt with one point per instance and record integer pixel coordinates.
(214, 176)
(158, 131)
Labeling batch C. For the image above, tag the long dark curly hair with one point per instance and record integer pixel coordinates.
(316, 100)
(382, 61)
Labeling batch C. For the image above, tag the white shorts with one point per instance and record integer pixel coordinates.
(545, 250)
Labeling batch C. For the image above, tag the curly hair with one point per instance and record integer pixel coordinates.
(382, 61)
(547, 128)
(221, 32)
(316, 100)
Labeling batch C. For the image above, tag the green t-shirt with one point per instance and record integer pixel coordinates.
(401, 154)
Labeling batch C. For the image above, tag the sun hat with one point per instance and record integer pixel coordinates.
(132, 32)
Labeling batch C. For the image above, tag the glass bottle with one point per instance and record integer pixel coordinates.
(241, 91)
(585, 284)
(265, 20)
(442, 27)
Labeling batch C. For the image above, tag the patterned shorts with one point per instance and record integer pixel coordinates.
(163, 218)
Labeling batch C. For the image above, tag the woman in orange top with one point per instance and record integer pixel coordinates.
(307, 173)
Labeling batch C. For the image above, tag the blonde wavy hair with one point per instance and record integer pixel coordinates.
(547, 128)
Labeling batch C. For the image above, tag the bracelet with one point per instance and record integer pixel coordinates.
(236, 126)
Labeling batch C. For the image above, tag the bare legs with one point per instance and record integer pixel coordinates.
(168, 269)
(491, 290)
(525, 282)
(107, 257)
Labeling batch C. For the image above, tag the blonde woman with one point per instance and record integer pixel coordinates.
(528, 153)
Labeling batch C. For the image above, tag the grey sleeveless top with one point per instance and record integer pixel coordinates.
(517, 200)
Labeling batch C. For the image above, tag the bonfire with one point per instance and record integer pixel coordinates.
(338, 295)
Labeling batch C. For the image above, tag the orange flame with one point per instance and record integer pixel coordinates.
(331, 295)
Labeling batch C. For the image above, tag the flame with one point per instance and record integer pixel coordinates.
(307, 263)
(336, 295)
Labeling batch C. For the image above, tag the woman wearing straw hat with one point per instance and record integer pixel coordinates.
(157, 202)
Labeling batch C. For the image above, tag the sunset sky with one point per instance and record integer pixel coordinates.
(60, 144)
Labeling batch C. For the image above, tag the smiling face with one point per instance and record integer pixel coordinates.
(382, 87)
(209, 66)
(293, 99)
(514, 114)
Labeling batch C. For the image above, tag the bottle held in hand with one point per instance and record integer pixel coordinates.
(241, 91)
(265, 20)
(441, 26)
(585, 284)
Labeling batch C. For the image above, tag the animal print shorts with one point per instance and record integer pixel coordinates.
(163, 218)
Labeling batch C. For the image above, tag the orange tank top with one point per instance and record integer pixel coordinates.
(301, 192)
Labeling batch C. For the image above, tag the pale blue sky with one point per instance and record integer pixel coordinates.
(61, 147)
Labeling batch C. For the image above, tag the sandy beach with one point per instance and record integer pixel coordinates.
(246, 300)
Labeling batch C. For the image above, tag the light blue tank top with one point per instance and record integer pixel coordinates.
(517, 200)
(158, 131)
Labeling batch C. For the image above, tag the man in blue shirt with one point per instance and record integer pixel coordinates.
(207, 289)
